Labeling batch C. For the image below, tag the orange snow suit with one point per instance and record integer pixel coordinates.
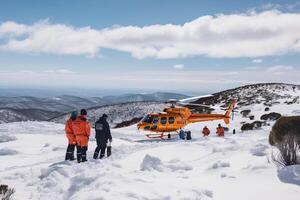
(220, 131)
(205, 131)
(69, 132)
(82, 131)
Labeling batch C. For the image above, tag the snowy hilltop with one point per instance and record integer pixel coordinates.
(238, 166)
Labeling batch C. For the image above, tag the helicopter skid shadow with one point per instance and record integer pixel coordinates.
(157, 140)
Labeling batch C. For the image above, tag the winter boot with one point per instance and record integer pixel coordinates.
(83, 154)
(70, 151)
(72, 157)
(96, 153)
(102, 150)
(67, 156)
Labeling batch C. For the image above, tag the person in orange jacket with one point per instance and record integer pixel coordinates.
(205, 131)
(70, 136)
(82, 131)
(220, 131)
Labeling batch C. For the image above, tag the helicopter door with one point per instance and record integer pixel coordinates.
(155, 122)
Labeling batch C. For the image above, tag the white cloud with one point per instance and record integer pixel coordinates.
(155, 80)
(231, 73)
(236, 35)
(59, 71)
(178, 66)
(13, 29)
(257, 61)
(252, 68)
(280, 68)
(27, 71)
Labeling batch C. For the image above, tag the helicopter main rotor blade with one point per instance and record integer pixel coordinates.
(194, 98)
(194, 104)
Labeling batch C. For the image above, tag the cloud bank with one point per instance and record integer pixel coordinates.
(154, 80)
(178, 66)
(224, 36)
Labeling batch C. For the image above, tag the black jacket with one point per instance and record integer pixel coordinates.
(102, 130)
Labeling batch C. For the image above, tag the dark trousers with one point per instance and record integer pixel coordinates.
(70, 152)
(81, 154)
(101, 147)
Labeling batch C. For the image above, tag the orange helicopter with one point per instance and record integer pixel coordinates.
(175, 117)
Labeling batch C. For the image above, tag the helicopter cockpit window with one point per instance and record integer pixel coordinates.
(163, 120)
(171, 120)
(148, 119)
(155, 121)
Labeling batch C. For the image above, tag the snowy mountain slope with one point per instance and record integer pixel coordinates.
(14, 115)
(267, 93)
(119, 112)
(258, 99)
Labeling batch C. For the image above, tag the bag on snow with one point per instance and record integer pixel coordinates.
(108, 148)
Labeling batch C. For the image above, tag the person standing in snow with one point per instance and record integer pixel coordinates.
(70, 136)
(205, 131)
(103, 137)
(82, 131)
(220, 131)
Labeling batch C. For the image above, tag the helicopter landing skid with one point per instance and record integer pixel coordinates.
(161, 136)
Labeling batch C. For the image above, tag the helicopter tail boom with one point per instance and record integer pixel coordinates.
(211, 117)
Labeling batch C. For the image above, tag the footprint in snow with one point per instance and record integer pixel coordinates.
(7, 138)
(259, 150)
(8, 152)
(219, 164)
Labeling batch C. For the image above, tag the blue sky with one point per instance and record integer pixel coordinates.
(151, 45)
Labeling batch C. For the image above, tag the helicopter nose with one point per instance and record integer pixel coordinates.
(143, 126)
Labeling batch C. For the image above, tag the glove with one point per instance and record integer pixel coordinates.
(110, 140)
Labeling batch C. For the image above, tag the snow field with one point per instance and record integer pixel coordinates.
(237, 166)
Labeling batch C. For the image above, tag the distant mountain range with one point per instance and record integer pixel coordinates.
(23, 108)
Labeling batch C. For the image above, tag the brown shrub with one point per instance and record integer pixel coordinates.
(285, 126)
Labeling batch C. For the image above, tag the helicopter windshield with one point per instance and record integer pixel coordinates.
(148, 119)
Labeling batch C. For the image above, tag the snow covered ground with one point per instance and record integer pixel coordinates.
(235, 167)
(231, 168)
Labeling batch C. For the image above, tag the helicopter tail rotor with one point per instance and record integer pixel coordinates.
(230, 110)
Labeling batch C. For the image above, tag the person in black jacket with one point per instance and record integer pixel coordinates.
(103, 135)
